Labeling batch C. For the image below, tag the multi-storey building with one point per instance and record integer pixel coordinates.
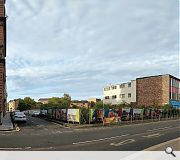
(145, 91)
(12, 105)
(120, 93)
(158, 90)
(3, 94)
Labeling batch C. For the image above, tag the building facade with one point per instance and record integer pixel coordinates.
(158, 90)
(93, 101)
(120, 93)
(145, 91)
(12, 105)
(3, 94)
(79, 103)
(44, 100)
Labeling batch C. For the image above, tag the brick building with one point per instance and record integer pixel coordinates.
(2, 59)
(158, 90)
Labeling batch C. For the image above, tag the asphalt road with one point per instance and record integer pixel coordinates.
(39, 134)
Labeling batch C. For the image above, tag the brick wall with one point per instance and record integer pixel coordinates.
(1, 8)
(2, 58)
(152, 91)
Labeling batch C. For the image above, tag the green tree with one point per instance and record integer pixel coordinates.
(26, 104)
(55, 102)
(100, 105)
(66, 100)
(30, 103)
(166, 106)
(21, 105)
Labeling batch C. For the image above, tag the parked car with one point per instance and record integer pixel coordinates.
(19, 117)
(35, 113)
(26, 112)
(43, 113)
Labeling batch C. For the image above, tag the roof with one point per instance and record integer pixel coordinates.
(79, 101)
(43, 99)
(118, 83)
(159, 76)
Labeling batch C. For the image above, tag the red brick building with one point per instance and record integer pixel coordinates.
(158, 90)
(3, 94)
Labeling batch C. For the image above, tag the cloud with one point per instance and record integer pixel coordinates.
(79, 46)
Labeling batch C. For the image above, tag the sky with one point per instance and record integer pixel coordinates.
(79, 46)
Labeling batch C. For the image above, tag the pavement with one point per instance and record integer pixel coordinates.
(7, 124)
(175, 144)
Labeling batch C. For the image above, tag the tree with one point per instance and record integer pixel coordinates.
(21, 105)
(26, 104)
(30, 103)
(100, 105)
(66, 100)
(55, 102)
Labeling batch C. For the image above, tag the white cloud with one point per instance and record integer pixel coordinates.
(79, 46)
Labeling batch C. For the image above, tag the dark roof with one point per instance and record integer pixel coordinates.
(79, 101)
(159, 76)
(43, 99)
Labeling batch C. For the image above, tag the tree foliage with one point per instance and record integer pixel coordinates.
(26, 104)
(100, 105)
(56, 102)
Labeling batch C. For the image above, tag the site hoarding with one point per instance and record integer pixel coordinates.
(100, 114)
(118, 112)
(73, 115)
(49, 113)
(58, 114)
(63, 114)
(53, 113)
(106, 115)
(93, 115)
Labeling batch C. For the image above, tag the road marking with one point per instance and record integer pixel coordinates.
(123, 142)
(156, 129)
(102, 139)
(153, 135)
(56, 132)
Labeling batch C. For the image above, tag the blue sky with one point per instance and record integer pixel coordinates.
(79, 46)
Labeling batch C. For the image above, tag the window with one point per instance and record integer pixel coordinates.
(113, 87)
(106, 88)
(129, 84)
(106, 97)
(122, 96)
(129, 95)
(114, 97)
(122, 85)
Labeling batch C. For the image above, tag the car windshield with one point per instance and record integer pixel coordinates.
(19, 113)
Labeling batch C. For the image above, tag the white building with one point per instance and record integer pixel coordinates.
(120, 93)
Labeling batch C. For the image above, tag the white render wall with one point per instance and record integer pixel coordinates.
(119, 91)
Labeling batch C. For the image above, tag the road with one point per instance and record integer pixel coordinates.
(39, 134)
